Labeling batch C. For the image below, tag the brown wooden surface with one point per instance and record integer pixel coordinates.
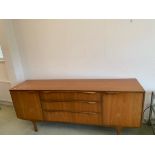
(81, 118)
(122, 109)
(27, 105)
(73, 106)
(114, 102)
(69, 96)
(83, 84)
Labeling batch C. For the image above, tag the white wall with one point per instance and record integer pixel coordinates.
(88, 49)
(4, 92)
(3, 72)
(12, 55)
(61, 49)
(11, 52)
(4, 83)
(11, 71)
(130, 50)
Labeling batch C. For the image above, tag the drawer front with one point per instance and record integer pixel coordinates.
(81, 118)
(73, 106)
(69, 96)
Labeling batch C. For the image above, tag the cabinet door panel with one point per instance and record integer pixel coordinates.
(27, 105)
(122, 109)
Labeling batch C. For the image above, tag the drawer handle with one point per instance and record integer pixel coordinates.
(89, 92)
(90, 113)
(112, 93)
(91, 102)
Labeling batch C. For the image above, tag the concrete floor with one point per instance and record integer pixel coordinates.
(10, 125)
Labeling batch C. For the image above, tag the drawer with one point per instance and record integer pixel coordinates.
(81, 118)
(69, 96)
(73, 106)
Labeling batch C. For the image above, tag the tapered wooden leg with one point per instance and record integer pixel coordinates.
(118, 130)
(35, 126)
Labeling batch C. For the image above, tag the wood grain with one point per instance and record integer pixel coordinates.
(73, 106)
(69, 96)
(27, 105)
(83, 84)
(122, 109)
(81, 118)
(110, 102)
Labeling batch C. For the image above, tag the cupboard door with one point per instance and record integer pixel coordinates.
(122, 109)
(27, 105)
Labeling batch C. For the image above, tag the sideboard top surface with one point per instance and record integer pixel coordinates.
(82, 84)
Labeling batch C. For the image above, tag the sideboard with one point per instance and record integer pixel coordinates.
(116, 103)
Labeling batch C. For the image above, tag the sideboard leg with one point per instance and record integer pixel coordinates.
(118, 130)
(35, 126)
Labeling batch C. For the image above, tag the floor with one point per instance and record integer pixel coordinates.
(10, 125)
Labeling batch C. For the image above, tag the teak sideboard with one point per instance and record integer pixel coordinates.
(105, 102)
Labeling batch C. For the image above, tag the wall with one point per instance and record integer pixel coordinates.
(88, 49)
(11, 71)
(71, 49)
(3, 71)
(4, 92)
(4, 82)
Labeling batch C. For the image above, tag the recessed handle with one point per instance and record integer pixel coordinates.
(91, 102)
(89, 92)
(45, 92)
(112, 93)
(90, 113)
